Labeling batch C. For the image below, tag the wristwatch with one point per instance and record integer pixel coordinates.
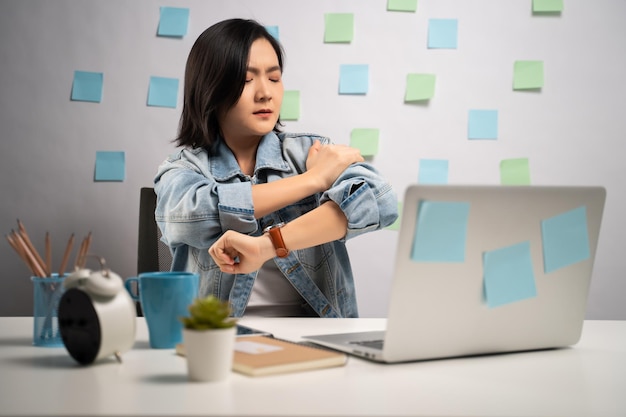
(277, 239)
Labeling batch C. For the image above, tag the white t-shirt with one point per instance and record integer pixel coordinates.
(273, 295)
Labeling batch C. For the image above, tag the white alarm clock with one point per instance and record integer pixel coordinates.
(96, 315)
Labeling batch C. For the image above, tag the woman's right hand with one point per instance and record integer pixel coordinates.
(327, 162)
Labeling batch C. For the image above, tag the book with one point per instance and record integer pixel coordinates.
(267, 355)
(264, 355)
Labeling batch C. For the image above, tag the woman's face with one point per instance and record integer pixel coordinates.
(256, 112)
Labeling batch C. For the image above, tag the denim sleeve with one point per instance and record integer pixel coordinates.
(193, 209)
(366, 199)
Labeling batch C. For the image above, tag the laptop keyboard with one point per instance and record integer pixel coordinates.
(374, 344)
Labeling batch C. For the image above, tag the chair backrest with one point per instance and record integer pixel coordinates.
(152, 254)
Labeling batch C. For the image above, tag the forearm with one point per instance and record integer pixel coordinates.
(324, 224)
(272, 196)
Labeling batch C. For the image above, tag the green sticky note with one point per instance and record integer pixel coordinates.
(396, 225)
(482, 124)
(440, 232)
(547, 6)
(565, 239)
(110, 166)
(365, 140)
(433, 171)
(402, 5)
(419, 87)
(508, 275)
(87, 86)
(163, 92)
(290, 109)
(173, 22)
(339, 27)
(527, 75)
(514, 172)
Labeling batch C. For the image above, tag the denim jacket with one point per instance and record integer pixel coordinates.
(202, 195)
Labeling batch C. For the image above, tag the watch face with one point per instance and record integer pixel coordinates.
(79, 326)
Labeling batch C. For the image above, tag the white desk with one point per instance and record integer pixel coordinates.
(587, 380)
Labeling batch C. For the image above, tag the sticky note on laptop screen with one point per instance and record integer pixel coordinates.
(565, 239)
(508, 274)
(440, 231)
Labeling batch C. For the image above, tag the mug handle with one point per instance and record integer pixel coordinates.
(129, 288)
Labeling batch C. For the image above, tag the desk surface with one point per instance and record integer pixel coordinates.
(586, 380)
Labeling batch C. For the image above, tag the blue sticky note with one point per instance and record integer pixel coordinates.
(565, 239)
(87, 86)
(273, 30)
(508, 275)
(173, 22)
(433, 171)
(483, 124)
(440, 232)
(353, 79)
(110, 166)
(442, 33)
(163, 92)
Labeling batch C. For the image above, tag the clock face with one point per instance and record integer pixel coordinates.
(79, 326)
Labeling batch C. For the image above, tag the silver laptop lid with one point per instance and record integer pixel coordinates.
(484, 269)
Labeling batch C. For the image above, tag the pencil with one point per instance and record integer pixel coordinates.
(66, 255)
(86, 250)
(19, 250)
(82, 252)
(38, 270)
(48, 255)
(31, 248)
(79, 254)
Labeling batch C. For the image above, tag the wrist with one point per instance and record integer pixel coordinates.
(276, 237)
(315, 182)
(267, 247)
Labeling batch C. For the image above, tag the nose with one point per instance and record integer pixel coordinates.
(263, 92)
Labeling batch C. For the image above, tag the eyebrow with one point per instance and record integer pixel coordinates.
(257, 71)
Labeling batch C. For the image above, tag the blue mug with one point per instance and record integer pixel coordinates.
(164, 298)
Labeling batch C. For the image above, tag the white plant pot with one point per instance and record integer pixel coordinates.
(209, 353)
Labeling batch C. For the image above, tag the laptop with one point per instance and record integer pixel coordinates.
(484, 270)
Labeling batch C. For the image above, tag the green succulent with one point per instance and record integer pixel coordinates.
(208, 313)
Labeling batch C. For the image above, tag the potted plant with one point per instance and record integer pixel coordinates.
(208, 339)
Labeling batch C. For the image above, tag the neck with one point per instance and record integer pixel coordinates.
(245, 153)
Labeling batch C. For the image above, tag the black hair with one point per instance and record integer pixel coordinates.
(215, 76)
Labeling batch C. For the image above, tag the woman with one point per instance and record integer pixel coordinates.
(238, 175)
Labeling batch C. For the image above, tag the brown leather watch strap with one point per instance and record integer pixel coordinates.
(277, 239)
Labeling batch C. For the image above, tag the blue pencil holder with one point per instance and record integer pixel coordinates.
(46, 295)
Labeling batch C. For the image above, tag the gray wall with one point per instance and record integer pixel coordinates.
(572, 131)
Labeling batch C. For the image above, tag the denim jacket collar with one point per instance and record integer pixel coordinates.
(224, 166)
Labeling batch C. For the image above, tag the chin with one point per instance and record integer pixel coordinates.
(266, 128)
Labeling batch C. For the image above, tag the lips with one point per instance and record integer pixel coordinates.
(263, 111)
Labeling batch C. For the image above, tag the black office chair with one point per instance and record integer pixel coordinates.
(152, 254)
